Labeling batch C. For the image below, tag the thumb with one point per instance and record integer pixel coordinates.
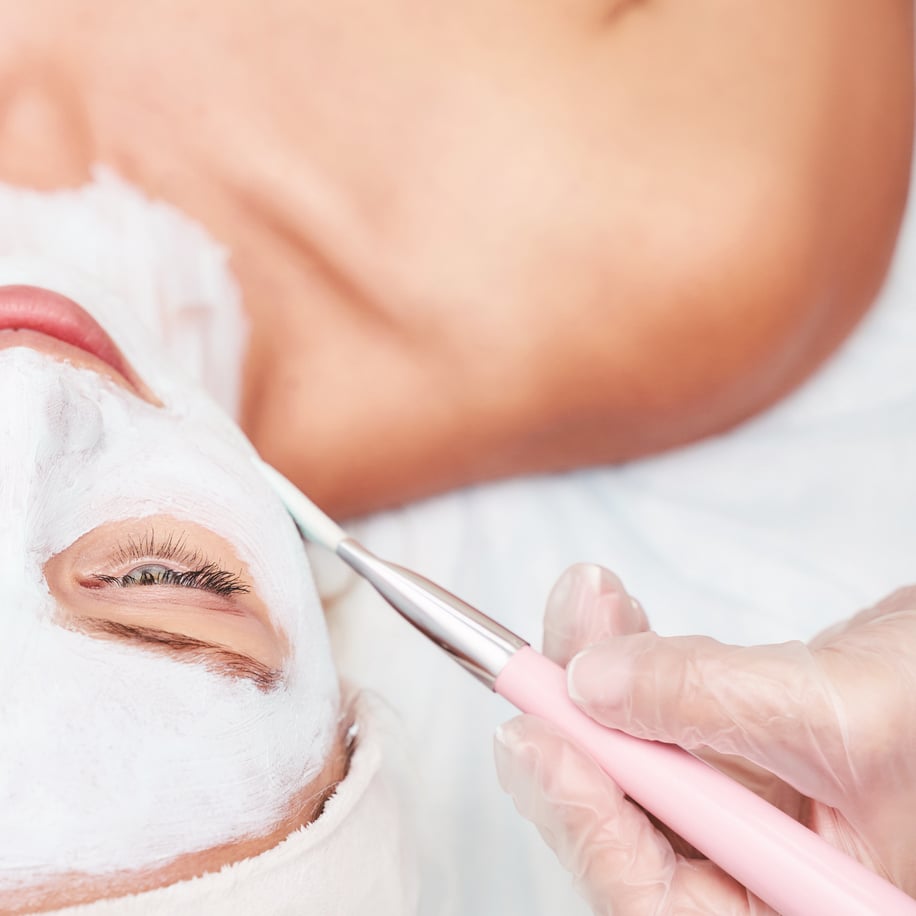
(772, 705)
(621, 863)
(587, 605)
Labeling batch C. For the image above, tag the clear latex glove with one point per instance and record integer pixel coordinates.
(826, 731)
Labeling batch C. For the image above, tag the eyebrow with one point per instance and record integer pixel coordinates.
(220, 659)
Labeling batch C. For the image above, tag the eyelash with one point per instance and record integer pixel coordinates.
(203, 574)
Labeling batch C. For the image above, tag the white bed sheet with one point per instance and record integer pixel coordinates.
(768, 533)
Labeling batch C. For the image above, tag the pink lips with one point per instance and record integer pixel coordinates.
(30, 308)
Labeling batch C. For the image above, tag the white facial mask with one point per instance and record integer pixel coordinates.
(113, 757)
(360, 856)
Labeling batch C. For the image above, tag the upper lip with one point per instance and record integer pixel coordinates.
(31, 308)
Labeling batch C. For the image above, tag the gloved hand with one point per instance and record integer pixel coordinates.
(826, 731)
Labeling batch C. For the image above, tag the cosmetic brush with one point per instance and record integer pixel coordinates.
(784, 863)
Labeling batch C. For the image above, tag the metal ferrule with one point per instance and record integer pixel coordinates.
(477, 643)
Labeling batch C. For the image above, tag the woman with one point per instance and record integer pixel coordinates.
(167, 695)
(537, 246)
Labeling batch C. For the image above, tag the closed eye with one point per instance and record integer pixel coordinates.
(171, 585)
(208, 578)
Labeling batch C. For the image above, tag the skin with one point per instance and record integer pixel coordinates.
(492, 238)
(234, 635)
(240, 622)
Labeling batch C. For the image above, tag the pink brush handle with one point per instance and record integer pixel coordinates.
(784, 863)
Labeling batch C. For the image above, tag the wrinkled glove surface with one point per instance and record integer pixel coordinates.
(825, 731)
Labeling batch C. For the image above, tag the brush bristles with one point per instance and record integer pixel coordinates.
(311, 521)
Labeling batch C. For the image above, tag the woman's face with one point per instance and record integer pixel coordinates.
(166, 685)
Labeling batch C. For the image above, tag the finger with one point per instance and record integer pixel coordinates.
(621, 863)
(902, 601)
(588, 604)
(773, 705)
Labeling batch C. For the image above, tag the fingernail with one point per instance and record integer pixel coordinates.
(598, 679)
(635, 618)
(506, 733)
(512, 755)
(579, 609)
(511, 735)
(580, 585)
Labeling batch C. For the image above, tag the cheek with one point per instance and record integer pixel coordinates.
(136, 760)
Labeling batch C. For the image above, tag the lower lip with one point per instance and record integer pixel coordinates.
(29, 308)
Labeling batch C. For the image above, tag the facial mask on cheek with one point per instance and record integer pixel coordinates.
(117, 759)
(114, 757)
